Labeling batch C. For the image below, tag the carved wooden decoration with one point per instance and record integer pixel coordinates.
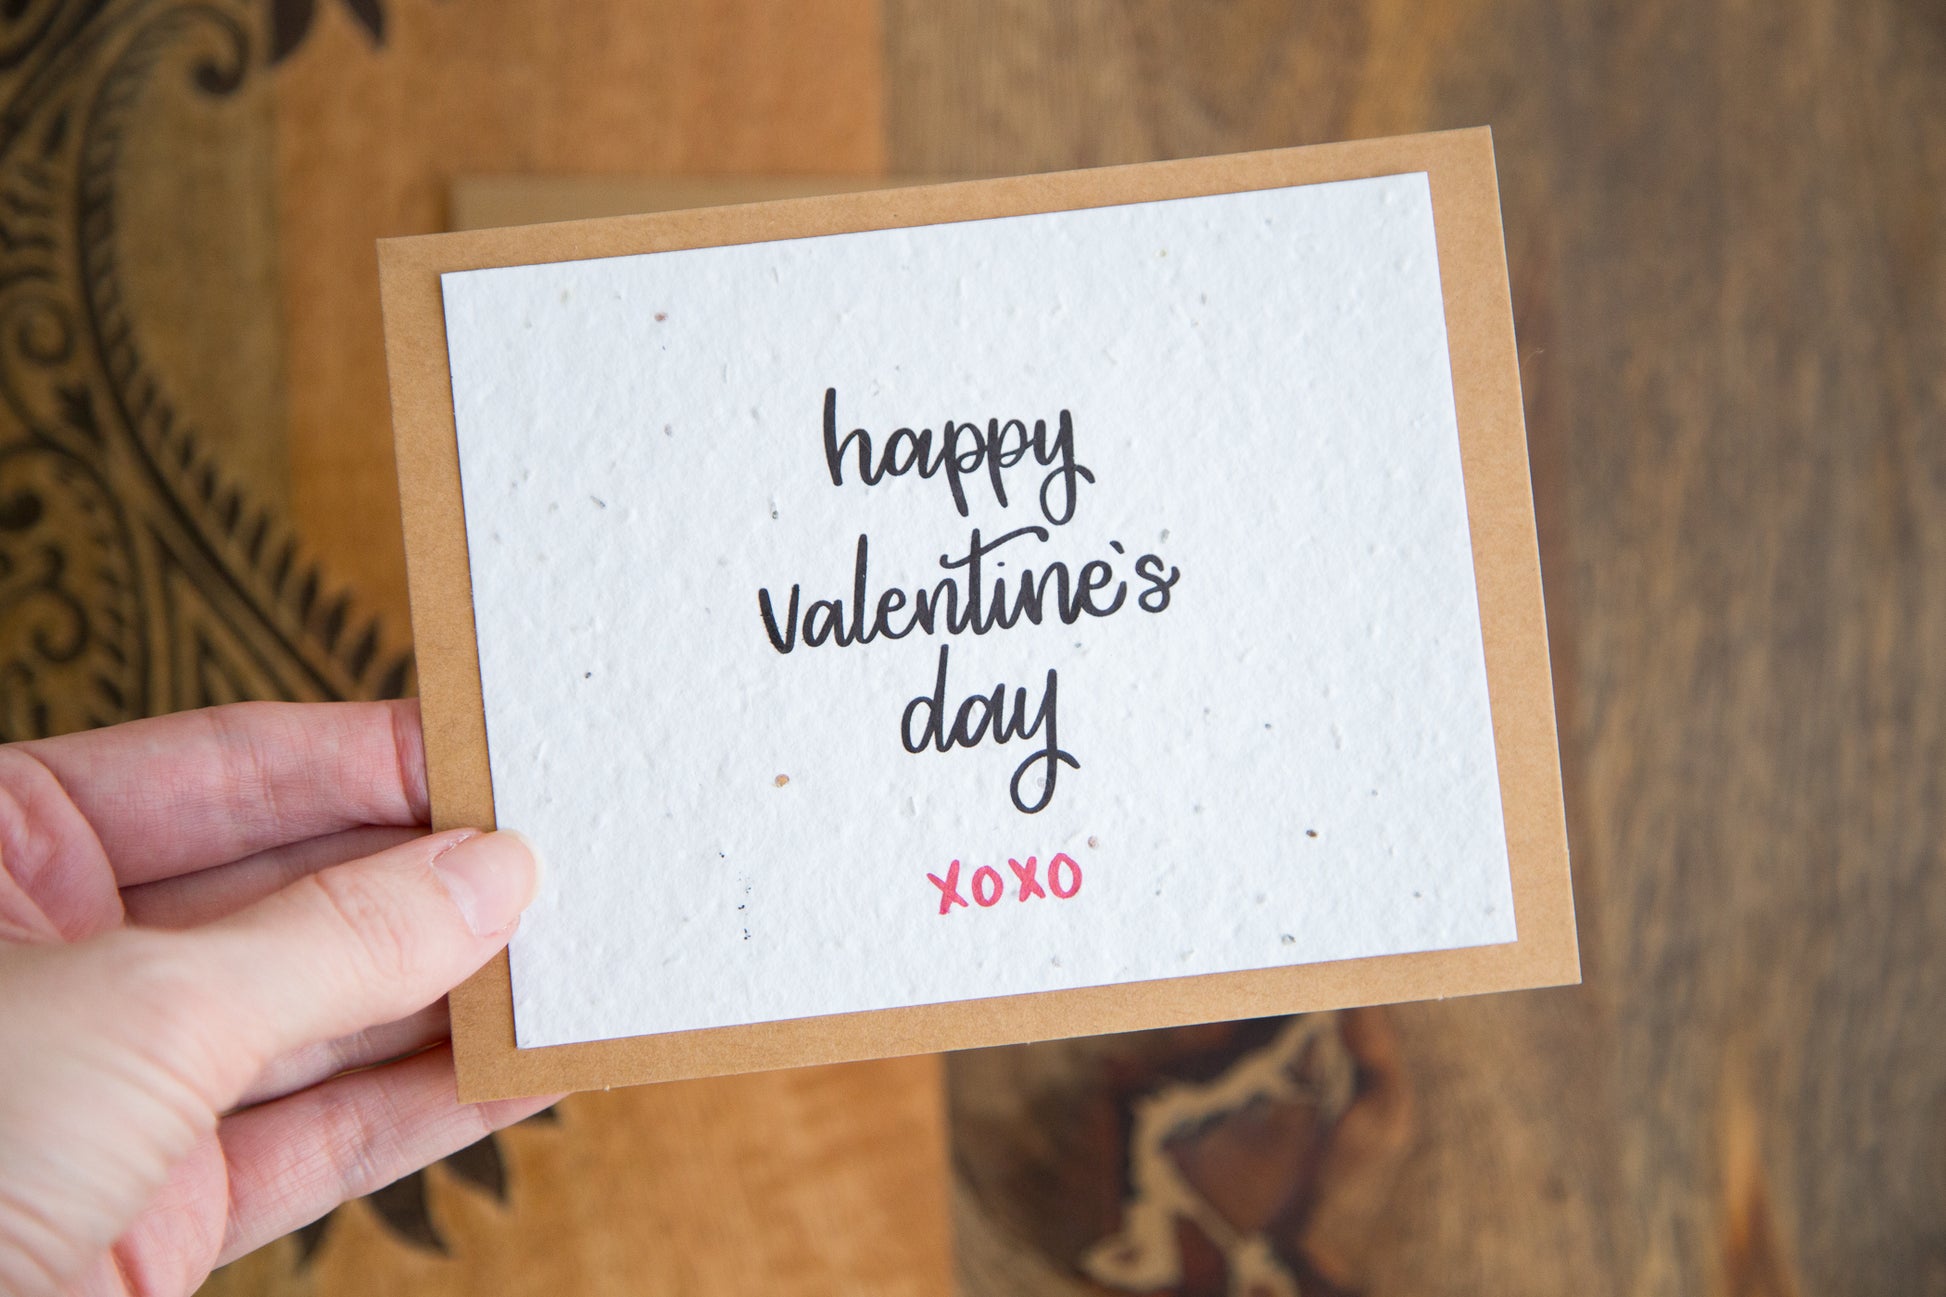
(136, 575)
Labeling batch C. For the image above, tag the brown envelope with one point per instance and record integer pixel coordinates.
(1486, 385)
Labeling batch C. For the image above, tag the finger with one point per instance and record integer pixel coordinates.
(309, 1064)
(366, 942)
(293, 1160)
(191, 900)
(176, 793)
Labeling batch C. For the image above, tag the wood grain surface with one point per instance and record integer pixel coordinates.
(823, 1182)
(1725, 223)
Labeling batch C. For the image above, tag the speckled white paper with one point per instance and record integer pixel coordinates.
(1289, 760)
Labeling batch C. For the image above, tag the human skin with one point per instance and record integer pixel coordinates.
(225, 942)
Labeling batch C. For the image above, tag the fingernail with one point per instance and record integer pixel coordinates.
(491, 877)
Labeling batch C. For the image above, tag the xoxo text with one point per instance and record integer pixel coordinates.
(1063, 880)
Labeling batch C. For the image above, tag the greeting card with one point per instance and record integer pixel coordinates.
(932, 618)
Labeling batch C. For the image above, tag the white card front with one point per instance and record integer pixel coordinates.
(967, 610)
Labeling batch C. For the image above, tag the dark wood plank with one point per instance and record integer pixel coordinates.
(1725, 225)
(1754, 403)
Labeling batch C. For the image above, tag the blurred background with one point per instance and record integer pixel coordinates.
(1727, 231)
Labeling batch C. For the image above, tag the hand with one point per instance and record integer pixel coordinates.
(190, 972)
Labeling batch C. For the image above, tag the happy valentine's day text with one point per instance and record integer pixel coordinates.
(969, 599)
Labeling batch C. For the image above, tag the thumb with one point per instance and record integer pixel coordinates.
(365, 942)
(118, 1054)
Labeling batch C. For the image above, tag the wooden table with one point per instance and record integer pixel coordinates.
(1727, 228)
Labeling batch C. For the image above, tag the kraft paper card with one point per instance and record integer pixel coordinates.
(939, 617)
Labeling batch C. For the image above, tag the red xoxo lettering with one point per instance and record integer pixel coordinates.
(1029, 885)
(1063, 880)
(1054, 875)
(948, 888)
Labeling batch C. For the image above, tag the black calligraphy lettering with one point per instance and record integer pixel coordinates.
(993, 583)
